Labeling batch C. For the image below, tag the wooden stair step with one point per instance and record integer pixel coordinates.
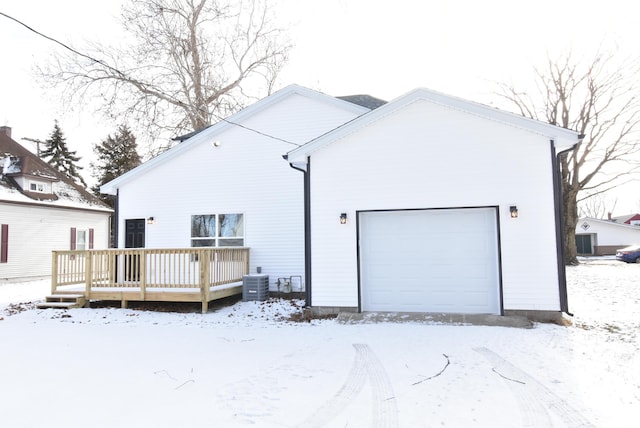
(64, 298)
(63, 301)
(58, 305)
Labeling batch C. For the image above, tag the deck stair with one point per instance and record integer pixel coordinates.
(63, 301)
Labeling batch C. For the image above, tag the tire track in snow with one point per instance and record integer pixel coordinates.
(365, 366)
(534, 399)
(385, 409)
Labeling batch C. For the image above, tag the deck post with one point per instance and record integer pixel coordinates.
(88, 272)
(205, 257)
(143, 274)
(54, 272)
(182, 275)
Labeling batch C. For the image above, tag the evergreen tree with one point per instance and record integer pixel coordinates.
(60, 157)
(116, 155)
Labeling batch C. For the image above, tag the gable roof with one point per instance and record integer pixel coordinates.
(233, 120)
(18, 161)
(364, 100)
(626, 218)
(563, 138)
(603, 222)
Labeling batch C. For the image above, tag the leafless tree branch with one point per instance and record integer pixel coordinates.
(181, 65)
(599, 99)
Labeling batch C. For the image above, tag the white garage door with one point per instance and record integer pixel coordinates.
(443, 261)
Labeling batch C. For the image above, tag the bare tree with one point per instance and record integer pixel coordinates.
(181, 65)
(600, 100)
(596, 206)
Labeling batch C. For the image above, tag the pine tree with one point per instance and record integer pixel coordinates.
(58, 155)
(116, 155)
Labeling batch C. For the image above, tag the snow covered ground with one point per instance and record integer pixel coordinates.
(244, 365)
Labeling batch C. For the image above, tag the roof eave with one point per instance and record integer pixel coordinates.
(564, 139)
(111, 188)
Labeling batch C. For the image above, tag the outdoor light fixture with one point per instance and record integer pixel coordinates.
(151, 220)
(514, 211)
(343, 218)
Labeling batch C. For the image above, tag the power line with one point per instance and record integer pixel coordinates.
(58, 42)
(125, 77)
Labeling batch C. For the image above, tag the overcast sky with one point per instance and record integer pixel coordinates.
(342, 47)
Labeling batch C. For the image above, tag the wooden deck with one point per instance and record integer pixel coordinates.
(143, 274)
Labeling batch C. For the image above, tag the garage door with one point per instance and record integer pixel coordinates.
(443, 261)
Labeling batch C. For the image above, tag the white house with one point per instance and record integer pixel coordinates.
(433, 203)
(41, 211)
(597, 237)
(229, 185)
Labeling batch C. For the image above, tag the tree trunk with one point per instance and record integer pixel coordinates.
(569, 223)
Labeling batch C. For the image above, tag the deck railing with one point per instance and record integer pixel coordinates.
(142, 268)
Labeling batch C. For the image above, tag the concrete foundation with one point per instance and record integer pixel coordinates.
(511, 318)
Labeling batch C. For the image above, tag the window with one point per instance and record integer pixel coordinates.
(81, 239)
(36, 186)
(217, 230)
(4, 243)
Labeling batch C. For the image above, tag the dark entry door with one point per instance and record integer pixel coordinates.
(134, 238)
(583, 244)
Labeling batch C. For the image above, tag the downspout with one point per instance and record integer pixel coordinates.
(559, 211)
(116, 221)
(307, 228)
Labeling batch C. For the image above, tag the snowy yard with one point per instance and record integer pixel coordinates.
(243, 365)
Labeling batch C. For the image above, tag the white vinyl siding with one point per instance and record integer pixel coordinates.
(35, 232)
(609, 233)
(244, 174)
(426, 156)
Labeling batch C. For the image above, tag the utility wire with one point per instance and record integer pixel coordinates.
(125, 76)
(58, 42)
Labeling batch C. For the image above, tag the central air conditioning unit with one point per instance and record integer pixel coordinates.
(255, 287)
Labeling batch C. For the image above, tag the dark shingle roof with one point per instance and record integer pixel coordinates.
(364, 100)
(66, 191)
(184, 137)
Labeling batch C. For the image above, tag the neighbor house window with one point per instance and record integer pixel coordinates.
(81, 239)
(36, 186)
(4, 243)
(217, 230)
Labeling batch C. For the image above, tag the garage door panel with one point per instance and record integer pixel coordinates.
(430, 260)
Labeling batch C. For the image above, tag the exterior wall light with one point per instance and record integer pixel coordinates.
(513, 210)
(343, 218)
(151, 220)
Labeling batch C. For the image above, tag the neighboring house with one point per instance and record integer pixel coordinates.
(41, 211)
(228, 185)
(431, 203)
(598, 237)
(633, 219)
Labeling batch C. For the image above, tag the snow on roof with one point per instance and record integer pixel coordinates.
(18, 162)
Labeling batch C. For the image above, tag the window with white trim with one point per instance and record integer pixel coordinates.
(38, 186)
(81, 239)
(217, 230)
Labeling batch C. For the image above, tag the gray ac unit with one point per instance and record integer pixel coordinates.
(255, 287)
